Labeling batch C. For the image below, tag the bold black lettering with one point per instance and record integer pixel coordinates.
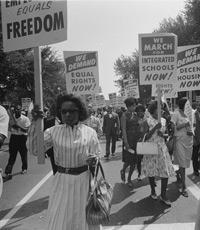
(7, 4)
(182, 85)
(23, 29)
(58, 21)
(48, 22)
(37, 25)
(29, 26)
(9, 30)
(16, 27)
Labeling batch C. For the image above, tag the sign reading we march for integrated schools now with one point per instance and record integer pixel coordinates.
(188, 68)
(82, 75)
(157, 58)
(31, 23)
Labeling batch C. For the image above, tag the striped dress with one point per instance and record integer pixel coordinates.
(69, 193)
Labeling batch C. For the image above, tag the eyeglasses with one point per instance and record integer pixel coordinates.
(70, 111)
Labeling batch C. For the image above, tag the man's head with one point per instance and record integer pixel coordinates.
(110, 109)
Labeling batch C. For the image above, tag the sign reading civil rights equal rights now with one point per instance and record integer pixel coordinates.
(31, 23)
(188, 68)
(82, 75)
(157, 58)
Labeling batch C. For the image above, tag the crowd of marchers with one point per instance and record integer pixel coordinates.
(72, 142)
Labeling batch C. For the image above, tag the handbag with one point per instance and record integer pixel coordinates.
(147, 148)
(100, 197)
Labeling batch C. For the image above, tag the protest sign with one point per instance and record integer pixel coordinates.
(132, 89)
(120, 101)
(27, 23)
(113, 99)
(25, 103)
(169, 90)
(157, 58)
(188, 68)
(82, 72)
(100, 101)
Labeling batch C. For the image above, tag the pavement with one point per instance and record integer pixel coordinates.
(24, 201)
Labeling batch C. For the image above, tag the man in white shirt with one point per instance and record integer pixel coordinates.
(17, 142)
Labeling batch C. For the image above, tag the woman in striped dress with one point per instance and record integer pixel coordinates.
(75, 144)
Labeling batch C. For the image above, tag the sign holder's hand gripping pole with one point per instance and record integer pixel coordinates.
(39, 101)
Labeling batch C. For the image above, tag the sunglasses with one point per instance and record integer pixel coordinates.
(70, 111)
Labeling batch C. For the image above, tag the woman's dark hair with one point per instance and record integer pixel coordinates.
(153, 105)
(130, 101)
(83, 113)
(140, 108)
(181, 102)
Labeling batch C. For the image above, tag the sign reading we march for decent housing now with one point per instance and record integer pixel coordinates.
(188, 68)
(157, 58)
(82, 72)
(31, 23)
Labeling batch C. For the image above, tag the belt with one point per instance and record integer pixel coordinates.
(72, 171)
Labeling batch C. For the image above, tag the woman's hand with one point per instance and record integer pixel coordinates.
(92, 160)
(37, 113)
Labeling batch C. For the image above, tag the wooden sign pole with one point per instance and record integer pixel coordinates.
(39, 101)
(159, 103)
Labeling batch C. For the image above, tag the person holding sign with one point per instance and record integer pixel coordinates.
(75, 146)
(159, 165)
(183, 143)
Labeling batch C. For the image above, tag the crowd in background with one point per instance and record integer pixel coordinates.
(130, 124)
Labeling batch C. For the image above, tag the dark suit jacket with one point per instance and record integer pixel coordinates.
(111, 125)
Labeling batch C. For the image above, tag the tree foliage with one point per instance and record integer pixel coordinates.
(17, 73)
(187, 28)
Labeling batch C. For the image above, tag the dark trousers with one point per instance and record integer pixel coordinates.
(109, 138)
(50, 154)
(195, 158)
(17, 143)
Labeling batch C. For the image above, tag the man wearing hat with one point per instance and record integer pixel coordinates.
(111, 128)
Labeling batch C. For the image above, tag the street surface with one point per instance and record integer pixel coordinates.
(24, 200)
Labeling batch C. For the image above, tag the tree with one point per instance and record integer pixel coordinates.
(128, 66)
(187, 28)
(17, 73)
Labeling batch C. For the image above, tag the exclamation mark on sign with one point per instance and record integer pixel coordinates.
(170, 75)
(94, 86)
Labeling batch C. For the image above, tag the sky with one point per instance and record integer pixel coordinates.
(111, 28)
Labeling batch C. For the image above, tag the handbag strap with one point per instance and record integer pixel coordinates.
(99, 166)
(93, 177)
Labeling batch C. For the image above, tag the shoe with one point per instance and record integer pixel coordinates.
(113, 154)
(139, 178)
(7, 177)
(184, 193)
(24, 171)
(123, 176)
(106, 157)
(165, 201)
(154, 196)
